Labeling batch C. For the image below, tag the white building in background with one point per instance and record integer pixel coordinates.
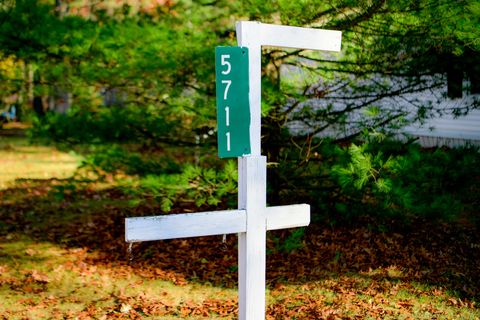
(447, 130)
(447, 125)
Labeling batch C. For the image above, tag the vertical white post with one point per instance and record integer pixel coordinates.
(252, 177)
(252, 248)
(245, 30)
(252, 188)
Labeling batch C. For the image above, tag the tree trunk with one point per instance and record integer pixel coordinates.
(454, 78)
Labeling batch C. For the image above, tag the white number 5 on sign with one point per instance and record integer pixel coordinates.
(224, 62)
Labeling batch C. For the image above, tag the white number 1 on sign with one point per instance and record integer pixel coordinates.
(228, 140)
(227, 116)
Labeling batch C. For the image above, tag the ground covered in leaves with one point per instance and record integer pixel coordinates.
(65, 257)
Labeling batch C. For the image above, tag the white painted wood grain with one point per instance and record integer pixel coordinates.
(252, 175)
(254, 35)
(184, 225)
(288, 37)
(244, 39)
(291, 216)
(211, 223)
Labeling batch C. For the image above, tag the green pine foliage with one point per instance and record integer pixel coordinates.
(378, 179)
(118, 159)
(408, 181)
(291, 242)
(161, 65)
(201, 187)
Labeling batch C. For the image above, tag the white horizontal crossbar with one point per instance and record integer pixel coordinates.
(252, 33)
(291, 216)
(210, 223)
(184, 225)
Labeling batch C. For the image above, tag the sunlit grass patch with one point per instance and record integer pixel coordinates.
(18, 159)
(44, 281)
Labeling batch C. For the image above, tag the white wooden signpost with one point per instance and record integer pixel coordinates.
(252, 218)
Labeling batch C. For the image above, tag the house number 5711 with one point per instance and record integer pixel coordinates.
(227, 83)
(233, 112)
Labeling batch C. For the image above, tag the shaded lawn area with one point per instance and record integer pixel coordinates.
(63, 256)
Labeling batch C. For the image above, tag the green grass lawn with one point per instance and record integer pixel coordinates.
(63, 256)
(44, 281)
(19, 160)
(41, 280)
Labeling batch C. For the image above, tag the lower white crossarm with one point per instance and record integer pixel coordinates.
(184, 225)
(211, 223)
(291, 216)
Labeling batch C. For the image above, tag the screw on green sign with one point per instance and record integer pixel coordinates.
(233, 110)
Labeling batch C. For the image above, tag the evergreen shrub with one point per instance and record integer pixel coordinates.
(389, 179)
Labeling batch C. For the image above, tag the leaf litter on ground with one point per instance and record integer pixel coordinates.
(74, 263)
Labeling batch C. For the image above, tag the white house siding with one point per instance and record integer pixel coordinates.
(448, 130)
(442, 129)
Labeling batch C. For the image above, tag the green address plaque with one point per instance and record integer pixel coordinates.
(233, 109)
